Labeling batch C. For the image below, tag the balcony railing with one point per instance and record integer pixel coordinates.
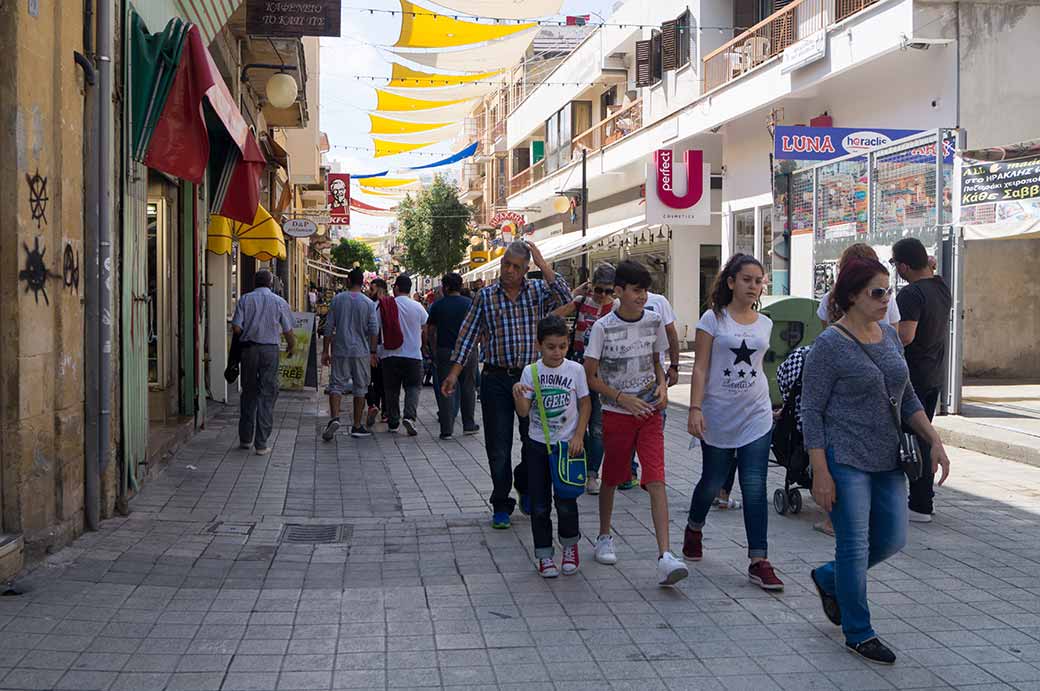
(771, 36)
(527, 177)
(611, 129)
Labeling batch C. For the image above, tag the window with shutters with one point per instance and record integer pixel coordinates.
(685, 34)
(643, 76)
(670, 45)
(655, 57)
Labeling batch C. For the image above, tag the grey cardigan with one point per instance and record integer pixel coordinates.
(845, 407)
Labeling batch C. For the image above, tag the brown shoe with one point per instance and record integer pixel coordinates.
(691, 544)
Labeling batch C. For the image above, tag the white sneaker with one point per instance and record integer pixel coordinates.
(604, 552)
(592, 484)
(331, 429)
(918, 517)
(670, 569)
(409, 427)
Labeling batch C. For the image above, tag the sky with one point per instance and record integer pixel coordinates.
(345, 100)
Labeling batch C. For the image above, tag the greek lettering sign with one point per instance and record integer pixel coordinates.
(293, 17)
(804, 52)
(292, 371)
(997, 199)
(1014, 181)
(664, 180)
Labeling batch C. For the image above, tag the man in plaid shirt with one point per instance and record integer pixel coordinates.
(504, 317)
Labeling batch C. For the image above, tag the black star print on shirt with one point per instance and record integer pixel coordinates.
(727, 372)
(754, 374)
(743, 353)
(740, 373)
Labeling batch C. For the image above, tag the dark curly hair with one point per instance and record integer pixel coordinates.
(721, 294)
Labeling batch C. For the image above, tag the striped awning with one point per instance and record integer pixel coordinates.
(209, 15)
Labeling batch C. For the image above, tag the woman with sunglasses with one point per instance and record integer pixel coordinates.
(853, 442)
(730, 411)
(588, 308)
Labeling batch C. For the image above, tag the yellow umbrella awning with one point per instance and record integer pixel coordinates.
(385, 148)
(382, 125)
(422, 28)
(401, 76)
(388, 101)
(381, 193)
(386, 182)
(262, 238)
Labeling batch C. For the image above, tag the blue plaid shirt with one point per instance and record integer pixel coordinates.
(509, 327)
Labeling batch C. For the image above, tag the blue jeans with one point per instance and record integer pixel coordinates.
(464, 398)
(870, 526)
(594, 435)
(752, 461)
(496, 404)
(635, 462)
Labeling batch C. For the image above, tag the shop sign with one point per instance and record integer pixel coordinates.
(1003, 181)
(299, 228)
(664, 181)
(804, 52)
(791, 142)
(292, 371)
(293, 17)
(339, 198)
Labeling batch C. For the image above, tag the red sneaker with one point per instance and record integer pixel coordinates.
(761, 574)
(547, 568)
(691, 544)
(570, 560)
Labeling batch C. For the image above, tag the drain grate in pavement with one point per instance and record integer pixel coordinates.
(222, 528)
(299, 534)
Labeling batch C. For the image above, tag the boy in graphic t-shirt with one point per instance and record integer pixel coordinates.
(565, 397)
(623, 365)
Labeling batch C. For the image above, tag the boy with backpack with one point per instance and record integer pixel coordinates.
(623, 365)
(559, 416)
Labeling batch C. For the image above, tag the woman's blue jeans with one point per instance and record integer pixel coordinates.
(594, 435)
(752, 461)
(869, 518)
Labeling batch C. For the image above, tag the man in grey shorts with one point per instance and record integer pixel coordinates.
(350, 348)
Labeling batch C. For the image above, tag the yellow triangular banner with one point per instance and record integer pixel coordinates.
(407, 77)
(386, 182)
(388, 101)
(380, 193)
(381, 125)
(385, 148)
(422, 28)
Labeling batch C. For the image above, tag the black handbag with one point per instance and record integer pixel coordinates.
(234, 358)
(910, 461)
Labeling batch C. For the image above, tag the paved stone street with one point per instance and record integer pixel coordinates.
(201, 586)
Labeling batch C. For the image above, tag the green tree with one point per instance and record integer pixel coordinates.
(434, 229)
(350, 252)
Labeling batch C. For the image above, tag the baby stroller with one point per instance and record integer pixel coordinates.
(787, 444)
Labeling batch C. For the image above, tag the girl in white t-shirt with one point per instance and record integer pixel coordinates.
(830, 313)
(730, 410)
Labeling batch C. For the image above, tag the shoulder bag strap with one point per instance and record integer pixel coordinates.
(893, 404)
(541, 405)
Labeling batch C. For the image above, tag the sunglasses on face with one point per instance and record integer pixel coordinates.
(878, 293)
(603, 291)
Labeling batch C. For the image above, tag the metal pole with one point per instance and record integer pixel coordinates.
(584, 276)
(91, 354)
(105, 28)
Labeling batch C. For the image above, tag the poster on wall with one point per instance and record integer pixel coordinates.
(793, 142)
(678, 193)
(292, 371)
(339, 198)
(998, 199)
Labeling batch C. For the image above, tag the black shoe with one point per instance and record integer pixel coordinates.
(359, 432)
(472, 430)
(331, 429)
(409, 427)
(873, 650)
(445, 436)
(829, 602)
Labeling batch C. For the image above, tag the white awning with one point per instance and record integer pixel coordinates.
(560, 247)
(493, 55)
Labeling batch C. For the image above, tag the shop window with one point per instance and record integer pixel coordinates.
(744, 231)
(158, 318)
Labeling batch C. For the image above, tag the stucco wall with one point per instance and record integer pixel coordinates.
(41, 208)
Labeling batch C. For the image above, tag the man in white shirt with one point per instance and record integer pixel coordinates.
(403, 365)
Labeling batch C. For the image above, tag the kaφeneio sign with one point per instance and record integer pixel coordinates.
(678, 194)
(804, 52)
(293, 17)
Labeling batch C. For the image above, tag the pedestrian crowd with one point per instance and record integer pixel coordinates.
(590, 400)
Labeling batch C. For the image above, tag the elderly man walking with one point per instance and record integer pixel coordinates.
(261, 317)
(504, 316)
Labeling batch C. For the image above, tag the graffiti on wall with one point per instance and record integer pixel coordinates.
(70, 268)
(35, 273)
(37, 197)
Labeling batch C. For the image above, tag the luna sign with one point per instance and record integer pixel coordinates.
(791, 142)
(678, 194)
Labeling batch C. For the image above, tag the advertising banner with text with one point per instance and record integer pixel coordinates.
(678, 193)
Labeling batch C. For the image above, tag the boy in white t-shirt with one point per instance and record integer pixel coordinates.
(565, 397)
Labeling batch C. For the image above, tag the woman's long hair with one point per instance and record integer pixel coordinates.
(721, 294)
(859, 250)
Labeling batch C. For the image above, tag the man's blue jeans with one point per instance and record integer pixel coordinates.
(752, 461)
(870, 526)
(594, 435)
(496, 404)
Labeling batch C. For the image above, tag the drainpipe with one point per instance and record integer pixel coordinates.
(105, 29)
(91, 475)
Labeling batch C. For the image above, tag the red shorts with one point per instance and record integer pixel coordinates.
(623, 434)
